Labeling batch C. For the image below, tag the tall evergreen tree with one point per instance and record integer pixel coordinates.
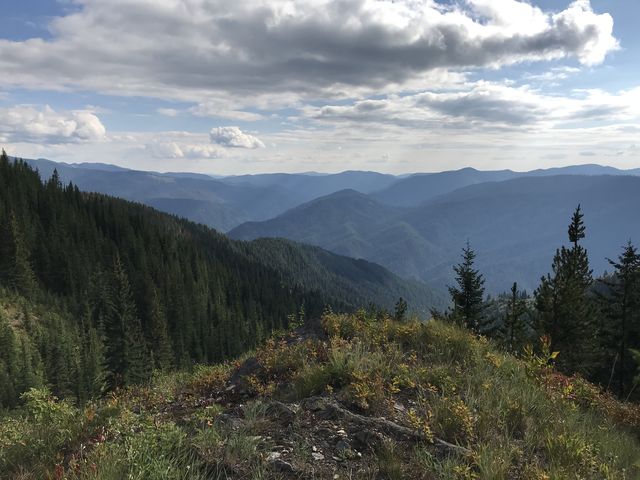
(400, 312)
(621, 309)
(514, 329)
(467, 296)
(565, 307)
(8, 365)
(92, 381)
(161, 352)
(15, 265)
(125, 349)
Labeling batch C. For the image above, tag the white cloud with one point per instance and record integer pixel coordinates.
(485, 105)
(234, 137)
(29, 123)
(168, 112)
(292, 49)
(216, 109)
(183, 145)
(178, 150)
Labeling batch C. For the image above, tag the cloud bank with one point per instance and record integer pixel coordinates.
(28, 123)
(292, 48)
(485, 105)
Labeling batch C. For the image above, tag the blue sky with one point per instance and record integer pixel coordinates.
(246, 86)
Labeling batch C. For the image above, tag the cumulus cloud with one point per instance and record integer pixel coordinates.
(188, 49)
(32, 124)
(183, 145)
(178, 150)
(234, 137)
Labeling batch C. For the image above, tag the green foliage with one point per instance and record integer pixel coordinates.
(468, 296)
(566, 309)
(15, 265)
(518, 418)
(515, 330)
(400, 310)
(620, 301)
(152, 452)
(34, 436)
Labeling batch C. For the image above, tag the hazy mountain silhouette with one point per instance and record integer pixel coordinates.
(514, 225)
(418, 188)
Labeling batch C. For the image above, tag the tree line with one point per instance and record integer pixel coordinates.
(592, 323)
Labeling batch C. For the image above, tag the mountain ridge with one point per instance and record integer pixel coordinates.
(508, 221)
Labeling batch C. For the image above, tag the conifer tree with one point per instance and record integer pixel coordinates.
(125, 350)
(29, 376)
(15, 266)
(565, 307)
(8, 365)
(92, 381)
(400, 310)
(467, 296)
(161, 352)
(621, 309)
(514, 329)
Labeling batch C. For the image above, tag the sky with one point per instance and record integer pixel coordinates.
(251, 86)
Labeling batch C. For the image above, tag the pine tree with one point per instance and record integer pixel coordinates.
(92, 381)
(162, 352)
(468, 295)
(514, 329)
(565, 308)
(400, 310)
(125, 349)
(15, 267)
(8, 365)
(621, 309)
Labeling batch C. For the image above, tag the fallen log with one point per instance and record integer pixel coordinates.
(334, 409)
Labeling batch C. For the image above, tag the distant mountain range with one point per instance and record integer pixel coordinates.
(420, 187)
(414, 224)
(224, 203)
(514, 225)
(220, 203)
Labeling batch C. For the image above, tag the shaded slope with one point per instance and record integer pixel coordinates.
(343, 222)
(343, 277)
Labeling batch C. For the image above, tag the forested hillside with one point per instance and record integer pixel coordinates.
(98, 292)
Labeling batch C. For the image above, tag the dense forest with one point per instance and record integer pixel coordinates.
(97, 293)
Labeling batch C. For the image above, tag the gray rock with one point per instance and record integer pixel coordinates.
(315, 404)
(283, 412)
(367, 439)
(229, 421)
(344, 451)
(273, 456)
(281, 466)
(342, 446)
